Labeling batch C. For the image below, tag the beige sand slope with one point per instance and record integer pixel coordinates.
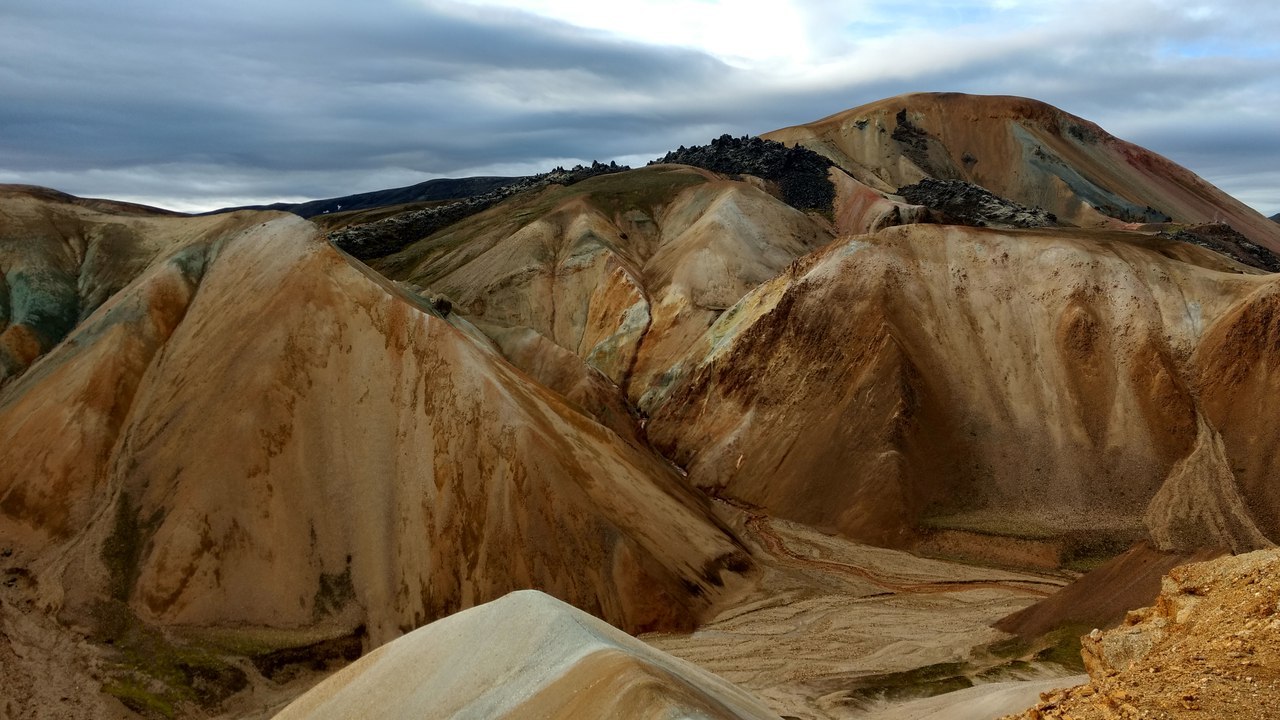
(1032, 384)
(835, 629)
(525, 655)
(1023, 150)
(256, 434)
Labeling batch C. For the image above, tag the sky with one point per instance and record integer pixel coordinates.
(211, 103)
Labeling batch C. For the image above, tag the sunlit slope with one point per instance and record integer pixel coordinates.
(525, 655)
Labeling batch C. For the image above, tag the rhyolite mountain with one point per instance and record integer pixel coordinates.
(238, 449)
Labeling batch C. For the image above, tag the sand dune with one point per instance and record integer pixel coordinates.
(525, 655)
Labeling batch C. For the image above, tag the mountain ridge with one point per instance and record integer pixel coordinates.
(243, 449)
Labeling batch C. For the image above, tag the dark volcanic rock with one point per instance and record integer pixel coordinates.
(957, 202)
(800, 173)
(383, 237)
(431, 190)
(913, 140)
(1224, 239)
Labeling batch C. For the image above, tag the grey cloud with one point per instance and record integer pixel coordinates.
(301, 86)
(303, 99)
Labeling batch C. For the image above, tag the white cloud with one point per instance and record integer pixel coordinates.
(745, 33)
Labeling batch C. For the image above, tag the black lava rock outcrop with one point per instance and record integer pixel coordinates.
(799, 173)
(1225, 240)
(956, 202)
(383, 237)
(913, 141)
(429, 191)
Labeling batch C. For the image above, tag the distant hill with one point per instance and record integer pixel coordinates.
(431, 190)
(1276, 217)
(1025, 151)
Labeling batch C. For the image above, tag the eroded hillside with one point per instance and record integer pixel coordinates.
(253, 411)
(236, 457)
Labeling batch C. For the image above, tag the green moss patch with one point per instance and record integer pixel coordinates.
(921, 682)
(153, 673)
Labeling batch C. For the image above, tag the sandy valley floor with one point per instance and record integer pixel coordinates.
(838, 629)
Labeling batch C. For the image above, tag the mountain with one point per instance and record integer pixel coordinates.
(242, 450)
(623, 271)
(708, 306)
(525, 655)
(357, 454)
(1024, 150)
(899, 365)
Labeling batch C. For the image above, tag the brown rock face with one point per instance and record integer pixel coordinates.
(1200, 504)
(1024, 383)
(1026, 151)
(877, 386)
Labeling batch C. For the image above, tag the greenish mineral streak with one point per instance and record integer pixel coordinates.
(1100, 198)
(123, 549)
(44, 299)
(4, 303)
(192, 260)
(334, 592)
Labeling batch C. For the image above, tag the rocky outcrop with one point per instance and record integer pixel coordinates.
(1222, 238)
(961, 203)
(1207, 648)
(800, 173)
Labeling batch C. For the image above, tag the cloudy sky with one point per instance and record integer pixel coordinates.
(208, 103)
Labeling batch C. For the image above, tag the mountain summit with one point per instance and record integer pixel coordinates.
(1024, 150)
